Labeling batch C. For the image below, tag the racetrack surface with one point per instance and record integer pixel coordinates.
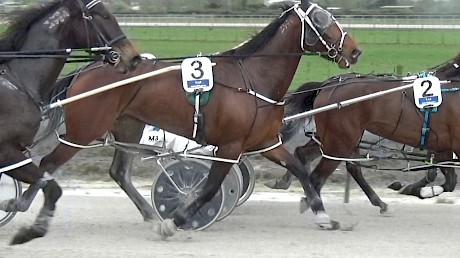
(102, 222)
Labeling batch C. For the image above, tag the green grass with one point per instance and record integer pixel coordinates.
(383, 50)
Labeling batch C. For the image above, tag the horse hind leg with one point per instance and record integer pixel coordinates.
(356, 172)
(129, 129)
(120, 171)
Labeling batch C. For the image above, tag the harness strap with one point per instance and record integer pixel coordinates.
(425, 128)
(262, 97)
(71, 144)
(16, 165)
(198, 134)
(269, 148)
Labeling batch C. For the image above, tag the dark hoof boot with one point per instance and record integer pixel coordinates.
(411, 190)
(395, 186)
(27, 234)
(275, 184)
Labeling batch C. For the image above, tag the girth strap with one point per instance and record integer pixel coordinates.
(425, 127)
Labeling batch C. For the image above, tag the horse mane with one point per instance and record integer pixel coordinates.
(259, 40)
(296, 102)
(448, 68)
(19, 24)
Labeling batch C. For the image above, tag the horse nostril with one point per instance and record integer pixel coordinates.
(136, 61)
(356, 53)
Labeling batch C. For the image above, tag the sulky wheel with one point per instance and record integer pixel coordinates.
(232, 187)
(181, 185)
(249, 180)
(10, 188)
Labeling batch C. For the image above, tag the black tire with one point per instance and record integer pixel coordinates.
(233, 188)
(249, 180)
(189, 175)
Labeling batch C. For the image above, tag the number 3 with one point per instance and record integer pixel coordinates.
(198, 68)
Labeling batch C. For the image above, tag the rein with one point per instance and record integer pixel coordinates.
(180, 58)
(63, 54)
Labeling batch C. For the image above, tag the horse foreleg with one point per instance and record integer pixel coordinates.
(52, 192)
(356, 173)
(449, 173)
(28, 174)
(37, 180)
(183, 213)
(120, 171)
(450, 179)
(282, 157)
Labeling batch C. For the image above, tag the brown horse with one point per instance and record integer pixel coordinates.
(34, 50)
(393, 116)
(302, 100)
(243, 114)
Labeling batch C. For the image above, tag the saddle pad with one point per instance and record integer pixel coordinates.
(157, 137)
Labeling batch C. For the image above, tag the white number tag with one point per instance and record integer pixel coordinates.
(427, 92)
(197, 74)
(152, 136)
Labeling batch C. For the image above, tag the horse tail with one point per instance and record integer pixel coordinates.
(53, 118)
(300, 101)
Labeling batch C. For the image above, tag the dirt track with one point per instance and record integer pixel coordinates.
(90, 224)
(104, 223)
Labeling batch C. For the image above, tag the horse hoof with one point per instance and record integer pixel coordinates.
(431, 191)
(386, 210)
(324, 222)
(408, 190)
(278, 185)
(165, 229)
(395, 186)
(303, 206)
(27, 234)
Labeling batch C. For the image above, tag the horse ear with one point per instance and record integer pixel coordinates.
(304, 4)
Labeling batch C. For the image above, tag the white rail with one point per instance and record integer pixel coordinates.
(341, 104)
(60, 103)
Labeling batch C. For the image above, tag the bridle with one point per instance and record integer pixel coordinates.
(333, 49)
(113, 56)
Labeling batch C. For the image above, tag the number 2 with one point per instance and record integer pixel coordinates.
(425, 93)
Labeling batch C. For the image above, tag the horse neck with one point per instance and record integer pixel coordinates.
(37, 76)
(280, 55)
(450, 71)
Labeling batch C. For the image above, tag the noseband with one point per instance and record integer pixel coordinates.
(333, 50)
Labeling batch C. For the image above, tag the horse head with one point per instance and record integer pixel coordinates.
(98, 27)
(323, 33)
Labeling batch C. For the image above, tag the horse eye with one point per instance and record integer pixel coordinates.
(320, 19)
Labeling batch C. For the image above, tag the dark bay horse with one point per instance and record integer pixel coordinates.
(243, 114)
(44, 35)
(393, 116)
